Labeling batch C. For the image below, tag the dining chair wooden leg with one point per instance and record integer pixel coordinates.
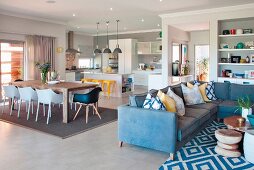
(28, 112)
(77, 112)
(96, 111)
(87, 111)
(38, 106)
(20, 102)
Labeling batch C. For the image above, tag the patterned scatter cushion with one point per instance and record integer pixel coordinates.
(210, 91)
(153, 103)
(180, 109)
(168, 102)
(196, 82)
(202, 89)
(192, 95)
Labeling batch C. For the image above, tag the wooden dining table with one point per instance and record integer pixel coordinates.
(62, 87)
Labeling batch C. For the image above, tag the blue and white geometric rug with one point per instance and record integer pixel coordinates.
(199, 154)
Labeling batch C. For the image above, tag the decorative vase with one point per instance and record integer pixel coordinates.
(246, 112)
(44, 76)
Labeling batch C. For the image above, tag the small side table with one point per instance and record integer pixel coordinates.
(248, 146)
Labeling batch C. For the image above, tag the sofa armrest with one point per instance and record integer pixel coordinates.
(154, 129)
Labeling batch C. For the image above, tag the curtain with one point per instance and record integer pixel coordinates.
(38, 49)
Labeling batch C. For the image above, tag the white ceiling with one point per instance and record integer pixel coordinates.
(130, 12)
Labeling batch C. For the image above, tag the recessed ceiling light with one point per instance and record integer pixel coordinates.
(78, 27)
(51, 1)
(125, 28)
(161, 0)
(142, 20)
(158, 25)
(111, 9)
(73, 15)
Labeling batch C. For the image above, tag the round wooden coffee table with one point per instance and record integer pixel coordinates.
(233, 123)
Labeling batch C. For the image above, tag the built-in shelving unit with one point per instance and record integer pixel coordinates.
(232, 41)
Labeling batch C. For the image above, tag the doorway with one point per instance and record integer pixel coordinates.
(11, 62)
(202, 62)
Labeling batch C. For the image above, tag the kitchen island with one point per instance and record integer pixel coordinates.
(124, 82)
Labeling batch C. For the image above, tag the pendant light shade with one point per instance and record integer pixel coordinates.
(107, 50)
(97, 50)
(117, 49)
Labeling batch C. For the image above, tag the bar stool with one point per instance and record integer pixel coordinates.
(100, 82)
(109, 84)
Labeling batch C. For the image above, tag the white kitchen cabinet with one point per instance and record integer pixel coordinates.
(141, 76)
(147, 48)
(70, 76)
(127, 60)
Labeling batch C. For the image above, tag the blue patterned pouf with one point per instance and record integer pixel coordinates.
(199, 154)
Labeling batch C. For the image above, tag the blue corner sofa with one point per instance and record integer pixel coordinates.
(167, 132)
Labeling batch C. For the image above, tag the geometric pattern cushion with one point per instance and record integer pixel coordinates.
(199, 153)
(192, 95)
(180, 108)
(210, 91)
(153, 103)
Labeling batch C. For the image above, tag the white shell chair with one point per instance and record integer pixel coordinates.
(12, 93)
(28, 94)
(48, 96)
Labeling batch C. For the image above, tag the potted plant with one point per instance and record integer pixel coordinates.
(203, 67)
(186, 67)
(44, 68)
(245, 105)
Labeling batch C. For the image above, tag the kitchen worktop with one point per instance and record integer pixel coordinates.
(101, 73)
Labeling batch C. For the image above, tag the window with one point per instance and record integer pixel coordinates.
(85, 63)
(202, 62)
(11, 61)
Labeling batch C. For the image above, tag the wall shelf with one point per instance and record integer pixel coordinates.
(237, 64)
(236, 35)
(228, 50)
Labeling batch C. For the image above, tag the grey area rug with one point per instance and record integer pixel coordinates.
(55, 126)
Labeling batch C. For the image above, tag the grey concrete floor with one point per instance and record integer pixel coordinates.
(25, 149)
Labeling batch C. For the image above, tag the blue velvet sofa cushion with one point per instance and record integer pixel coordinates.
(222, 90)
(137, 100)
(239, 90)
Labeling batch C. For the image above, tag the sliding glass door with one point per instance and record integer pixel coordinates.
(11, 61)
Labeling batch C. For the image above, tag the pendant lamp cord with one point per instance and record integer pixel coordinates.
(117, 31)
(97, 33)
(107, 33)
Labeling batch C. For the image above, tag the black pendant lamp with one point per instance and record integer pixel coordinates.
(107, 50)
(97, 50)
(117, 49)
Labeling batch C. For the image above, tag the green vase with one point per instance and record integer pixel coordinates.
(44, 77)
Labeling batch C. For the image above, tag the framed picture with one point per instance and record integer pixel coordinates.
(252, 58)
(251, 74)
(227, 73)
(235, 59)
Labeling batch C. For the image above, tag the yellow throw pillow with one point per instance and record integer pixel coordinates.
(168, 102)
(201, 89)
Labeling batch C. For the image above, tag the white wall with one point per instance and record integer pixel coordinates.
(170, 35)
(196, 38)
(15, 28)
(212, 16)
